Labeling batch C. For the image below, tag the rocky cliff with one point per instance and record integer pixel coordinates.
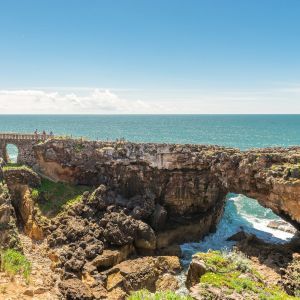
(175, 183)
(142, 201)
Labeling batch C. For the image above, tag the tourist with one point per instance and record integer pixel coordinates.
(44, 134)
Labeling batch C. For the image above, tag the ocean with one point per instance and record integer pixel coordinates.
(239, 131)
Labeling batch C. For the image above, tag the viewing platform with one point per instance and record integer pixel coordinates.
(24, 137)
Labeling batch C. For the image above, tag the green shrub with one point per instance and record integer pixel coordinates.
(232, 281)
(14, 262)
(233, 270)
(167, 295)
(35, 194)
(241, 262)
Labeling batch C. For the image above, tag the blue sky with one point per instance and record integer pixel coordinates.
(138, 56)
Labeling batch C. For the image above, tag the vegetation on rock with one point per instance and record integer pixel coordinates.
(15, 166)
(232, 274)
(14, 262)
(52, 197)
(166, 295)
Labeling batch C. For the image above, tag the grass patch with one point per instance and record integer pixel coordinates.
(14, 262)
(53, 197)
(15, 166)
(167, 295)
(232, 281)
(233, 271)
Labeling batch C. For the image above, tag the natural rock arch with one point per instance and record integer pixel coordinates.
(189, 181)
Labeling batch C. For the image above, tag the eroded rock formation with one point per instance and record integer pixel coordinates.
(178, 182)
(146, 199)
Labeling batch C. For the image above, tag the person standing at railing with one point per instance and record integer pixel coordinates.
(36, 134)
(44, 135)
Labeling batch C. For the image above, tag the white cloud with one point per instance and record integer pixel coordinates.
(95, 101)
(280, 99)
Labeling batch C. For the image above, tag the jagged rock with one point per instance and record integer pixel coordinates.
(100, 198)
(145, 237)
(110, 258)
(142, 206)
(185, 180)
(197, 268)
(150, 196)
(74, 289)
(74, 265)
(118, 229)
(141, 273)
(93, 250)
(167, 282)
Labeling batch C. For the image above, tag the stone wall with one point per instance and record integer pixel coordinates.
(26, 154)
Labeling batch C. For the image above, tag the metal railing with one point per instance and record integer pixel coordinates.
(25, 136)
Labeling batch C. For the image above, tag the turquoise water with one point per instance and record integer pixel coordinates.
(240, 131)
(241, 213)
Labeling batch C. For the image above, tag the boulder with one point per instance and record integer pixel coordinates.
(196, 269)
(167, 282)
(141, 273)
(118, 228)
(145, 237)
(109, 257)
(74, 289)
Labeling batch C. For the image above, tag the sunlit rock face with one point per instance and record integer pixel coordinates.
(19, 183)
(187, 182)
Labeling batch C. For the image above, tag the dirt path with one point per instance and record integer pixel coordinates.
(42, 284)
